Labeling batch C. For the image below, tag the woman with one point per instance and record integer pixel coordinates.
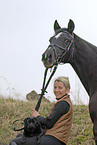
(58, 122)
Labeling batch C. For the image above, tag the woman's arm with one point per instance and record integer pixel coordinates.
(60, 109)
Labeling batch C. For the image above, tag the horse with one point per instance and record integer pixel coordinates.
(66, 47)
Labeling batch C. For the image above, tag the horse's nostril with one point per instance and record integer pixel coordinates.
(50, 56)
(46, 57)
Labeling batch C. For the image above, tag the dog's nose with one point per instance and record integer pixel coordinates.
(31, 126)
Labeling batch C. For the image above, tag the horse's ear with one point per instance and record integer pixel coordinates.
(56, 25)
(71, 26)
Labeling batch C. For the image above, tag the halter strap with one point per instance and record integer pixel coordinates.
(58, 59)
(45, 86)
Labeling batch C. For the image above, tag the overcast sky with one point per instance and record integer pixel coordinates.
(25, 29)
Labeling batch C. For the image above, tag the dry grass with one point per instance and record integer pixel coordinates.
(10, 110)
(81, 133)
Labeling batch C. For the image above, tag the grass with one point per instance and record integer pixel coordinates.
(11, 110)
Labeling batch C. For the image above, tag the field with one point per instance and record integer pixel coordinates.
(10, 110)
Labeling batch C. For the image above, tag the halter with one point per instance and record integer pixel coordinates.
(59, 58)
(45, 85)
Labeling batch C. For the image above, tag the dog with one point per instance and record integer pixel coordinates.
(32, 127)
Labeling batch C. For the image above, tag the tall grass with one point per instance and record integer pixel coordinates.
(11, 109)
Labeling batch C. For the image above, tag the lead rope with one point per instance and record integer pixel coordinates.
(44, 87)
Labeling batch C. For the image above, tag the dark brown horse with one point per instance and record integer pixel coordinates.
(67, 47)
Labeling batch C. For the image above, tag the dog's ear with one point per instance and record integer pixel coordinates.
(26, 119)
(35, 119)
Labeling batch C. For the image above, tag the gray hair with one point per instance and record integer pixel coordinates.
(64, 80)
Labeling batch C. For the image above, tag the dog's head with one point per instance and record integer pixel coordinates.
(31, 125)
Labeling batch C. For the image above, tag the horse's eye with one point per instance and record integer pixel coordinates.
(67, 41)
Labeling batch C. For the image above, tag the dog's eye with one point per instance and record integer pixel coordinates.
(29, 121)
(37, 124)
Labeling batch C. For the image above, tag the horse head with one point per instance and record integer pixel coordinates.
(60, 49)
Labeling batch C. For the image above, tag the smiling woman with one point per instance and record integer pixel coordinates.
(58, 122)
(61, 87)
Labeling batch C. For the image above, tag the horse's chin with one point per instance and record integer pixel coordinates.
(48, 65)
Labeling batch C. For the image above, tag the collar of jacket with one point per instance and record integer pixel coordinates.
(62, 96)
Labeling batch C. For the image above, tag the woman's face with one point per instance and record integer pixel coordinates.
(59, 89)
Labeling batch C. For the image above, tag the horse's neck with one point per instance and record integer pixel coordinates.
(84, 63)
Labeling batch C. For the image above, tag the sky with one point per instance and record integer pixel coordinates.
(25, 29)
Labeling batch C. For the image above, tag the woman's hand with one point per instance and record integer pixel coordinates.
(35, 113)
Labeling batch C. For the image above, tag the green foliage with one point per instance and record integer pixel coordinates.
(11, 110)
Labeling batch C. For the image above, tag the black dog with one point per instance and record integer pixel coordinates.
(32, 127)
